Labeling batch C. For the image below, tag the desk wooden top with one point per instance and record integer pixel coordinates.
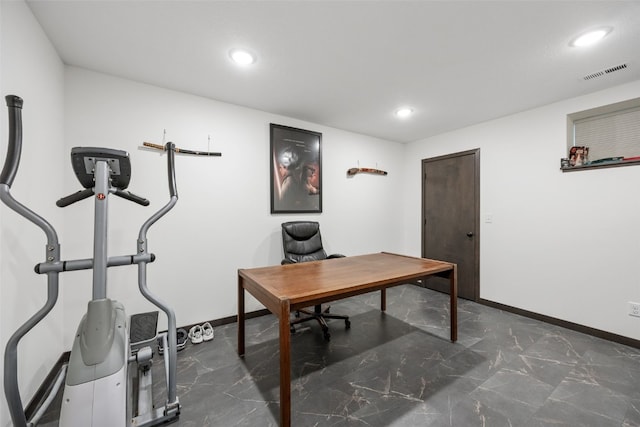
(338, 277)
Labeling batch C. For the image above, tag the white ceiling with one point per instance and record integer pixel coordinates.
(350, 64)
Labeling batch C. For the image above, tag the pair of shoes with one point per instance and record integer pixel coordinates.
(198, 333)
(181, 340)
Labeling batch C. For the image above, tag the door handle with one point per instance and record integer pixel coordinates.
(470, 234)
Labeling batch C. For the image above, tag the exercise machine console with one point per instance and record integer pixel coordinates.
(108, 378)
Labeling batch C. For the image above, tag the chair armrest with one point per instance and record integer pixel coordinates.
(336, 256)
(287, 261)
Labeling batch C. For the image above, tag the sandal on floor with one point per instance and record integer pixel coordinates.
(195, 334)
(207, 332)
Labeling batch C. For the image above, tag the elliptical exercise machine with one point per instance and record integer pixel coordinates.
(102, 387)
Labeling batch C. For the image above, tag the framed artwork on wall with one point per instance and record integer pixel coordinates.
(296, 170)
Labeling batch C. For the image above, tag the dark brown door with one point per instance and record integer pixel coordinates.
(450, 213)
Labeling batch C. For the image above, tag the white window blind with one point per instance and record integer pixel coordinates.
(610, 135)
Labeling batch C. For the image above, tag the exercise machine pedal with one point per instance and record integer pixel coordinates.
(143, 329)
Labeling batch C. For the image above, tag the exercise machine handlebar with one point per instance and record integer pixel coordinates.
(88, 192)
(170, 147)
(128, 195)
(15, 140)
(52, 252)
(75, 197)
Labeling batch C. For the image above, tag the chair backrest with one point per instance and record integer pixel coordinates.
(302, 242)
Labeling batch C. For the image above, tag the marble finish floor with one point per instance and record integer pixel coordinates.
(399, 369)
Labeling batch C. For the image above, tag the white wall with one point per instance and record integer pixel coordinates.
(222, 221)
(565, 245)
(32, 70)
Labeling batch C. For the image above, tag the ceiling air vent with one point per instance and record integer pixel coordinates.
(605, 72)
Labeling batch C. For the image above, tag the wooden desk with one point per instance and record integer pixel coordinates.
(286, 288)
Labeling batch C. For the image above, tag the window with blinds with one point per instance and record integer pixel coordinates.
(610, 131)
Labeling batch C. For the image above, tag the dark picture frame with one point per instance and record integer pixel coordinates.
(296, 170)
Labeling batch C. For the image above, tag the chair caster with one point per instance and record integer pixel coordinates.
(347, 324)
(292, 329)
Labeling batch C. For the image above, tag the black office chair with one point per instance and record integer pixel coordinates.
(301, 242)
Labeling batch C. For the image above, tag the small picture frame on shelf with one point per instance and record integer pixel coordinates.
(578, 155)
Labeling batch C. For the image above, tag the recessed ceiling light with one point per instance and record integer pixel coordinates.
(242, 56)
(591, 37)
(404, 112)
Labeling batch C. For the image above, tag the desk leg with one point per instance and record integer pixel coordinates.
(453, 281)
(383, 299)
(240, 317)
(285, 365)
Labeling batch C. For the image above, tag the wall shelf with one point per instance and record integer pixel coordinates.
(601, 165)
